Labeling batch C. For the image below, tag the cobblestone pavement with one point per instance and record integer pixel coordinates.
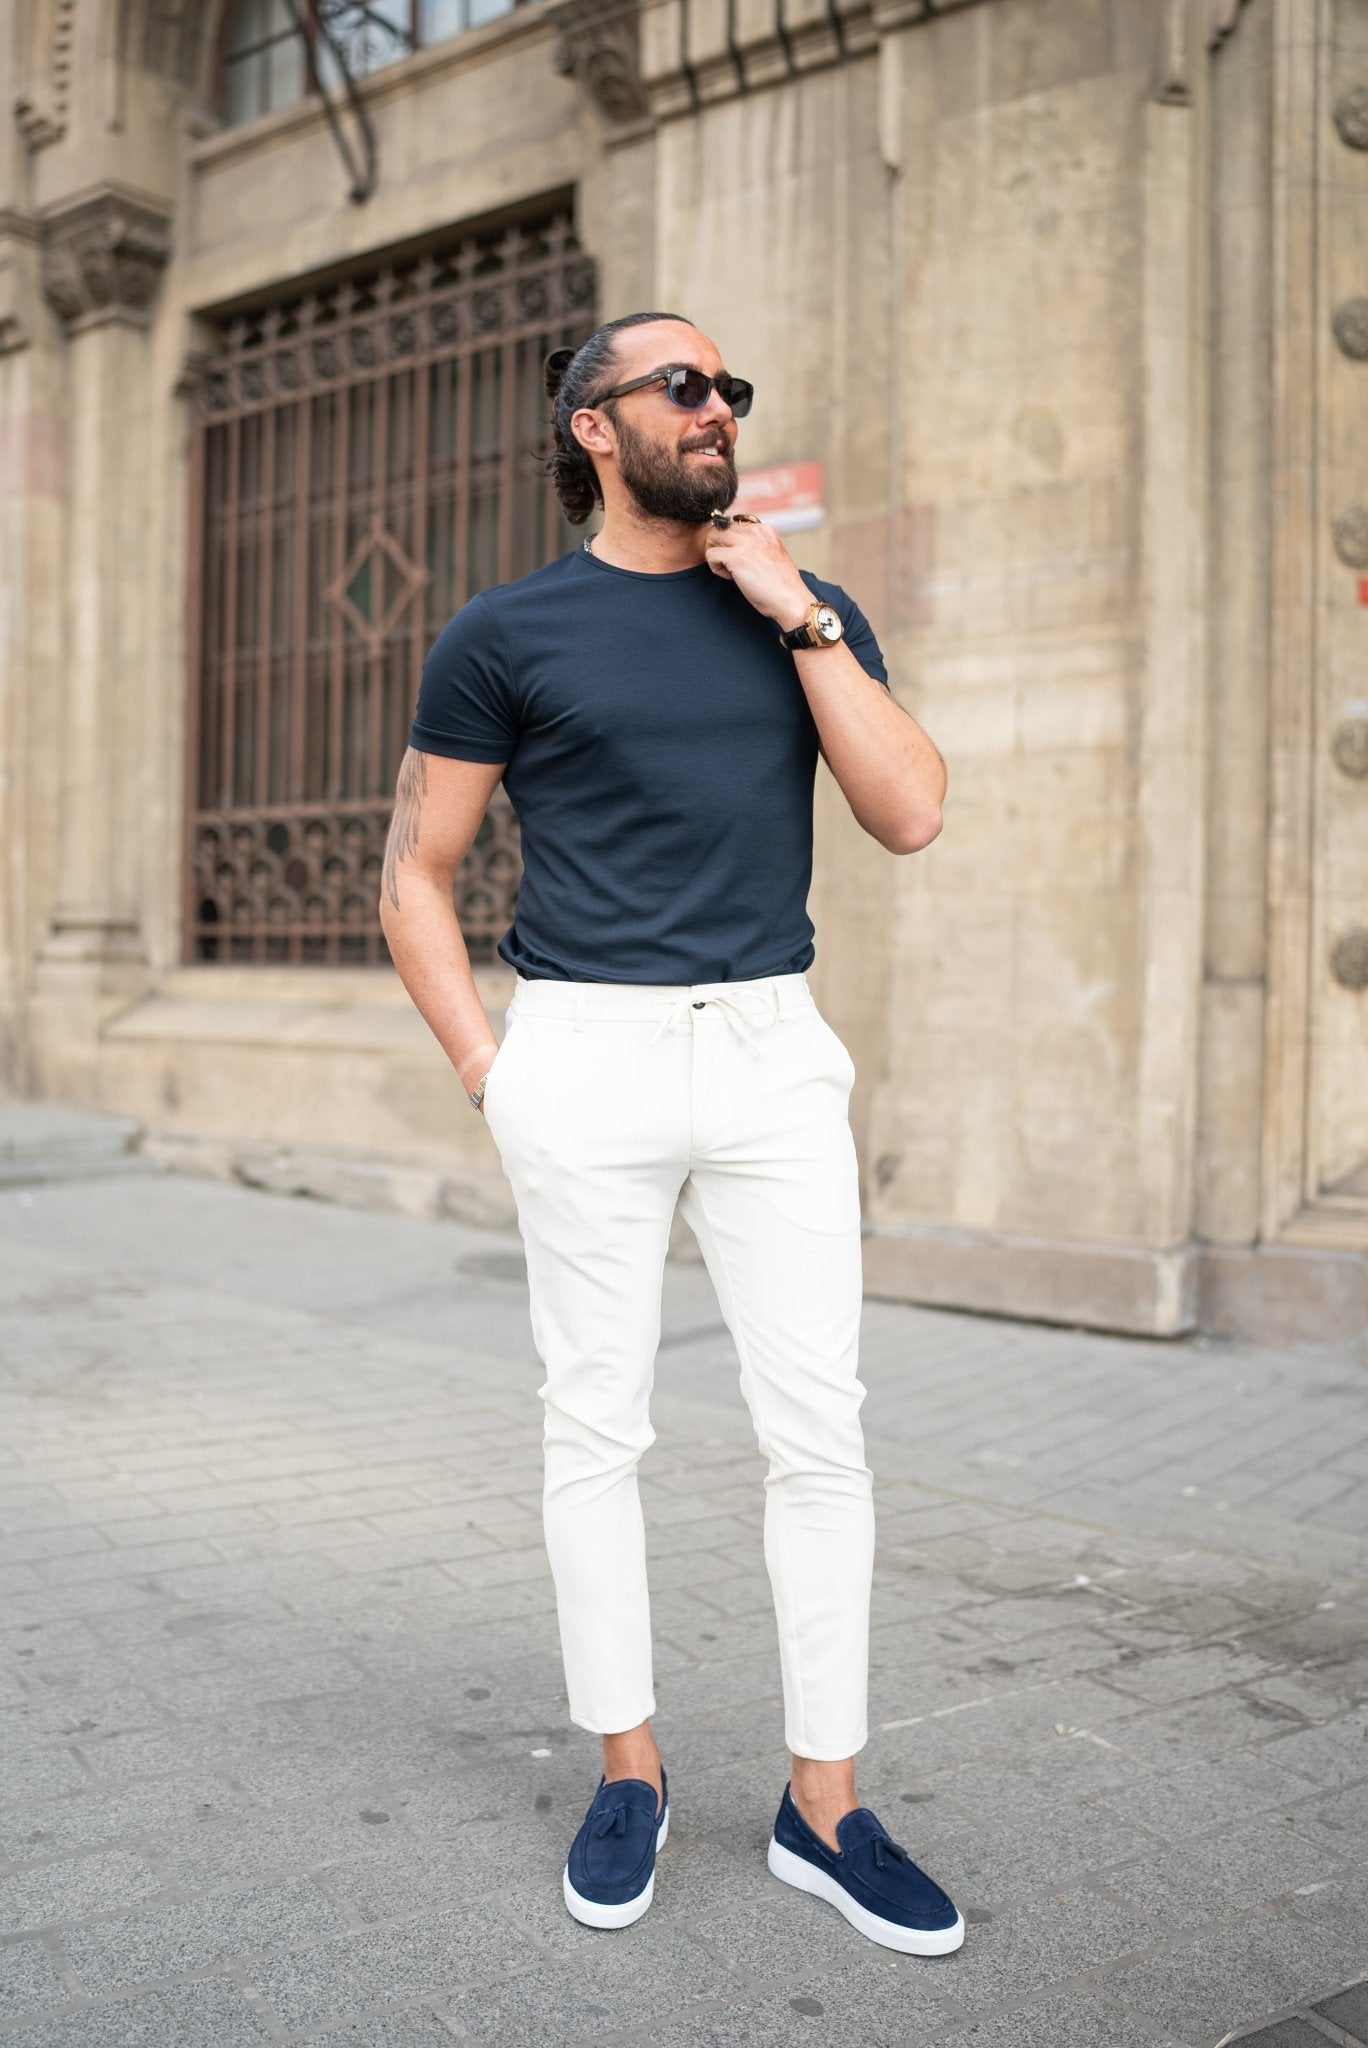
(285, 1749)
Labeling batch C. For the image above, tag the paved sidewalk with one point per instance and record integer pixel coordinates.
(281, 1688)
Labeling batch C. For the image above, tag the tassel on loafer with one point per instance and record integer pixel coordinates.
(610, 1872)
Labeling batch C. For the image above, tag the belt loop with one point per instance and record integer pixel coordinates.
(579, 1008)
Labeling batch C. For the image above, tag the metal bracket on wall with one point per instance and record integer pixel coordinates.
(363, 173)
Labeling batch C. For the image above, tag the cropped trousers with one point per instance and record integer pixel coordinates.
(610, 1103)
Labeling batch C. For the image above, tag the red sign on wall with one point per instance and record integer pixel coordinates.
(787, 494)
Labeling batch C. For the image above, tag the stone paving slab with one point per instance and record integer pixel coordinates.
(284, 1754)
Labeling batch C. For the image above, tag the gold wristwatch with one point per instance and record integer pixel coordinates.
(821, 628)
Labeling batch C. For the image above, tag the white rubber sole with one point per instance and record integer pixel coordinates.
(910, 1941)
(589, 1911)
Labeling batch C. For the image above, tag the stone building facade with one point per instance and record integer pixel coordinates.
(1068, 300)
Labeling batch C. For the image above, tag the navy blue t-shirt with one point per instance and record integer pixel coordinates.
(661, 757)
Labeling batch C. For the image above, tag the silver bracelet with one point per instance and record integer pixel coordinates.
(476, 1096)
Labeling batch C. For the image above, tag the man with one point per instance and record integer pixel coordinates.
(655, 701)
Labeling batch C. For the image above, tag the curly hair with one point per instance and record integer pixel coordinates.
(572, 376)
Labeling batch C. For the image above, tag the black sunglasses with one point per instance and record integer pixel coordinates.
(690, 388)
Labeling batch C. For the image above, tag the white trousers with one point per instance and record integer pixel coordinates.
(609, 1103)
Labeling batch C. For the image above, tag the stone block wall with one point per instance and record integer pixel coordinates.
(1062, 294)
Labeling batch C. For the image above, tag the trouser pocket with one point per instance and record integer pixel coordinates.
(836, 1046)
(498, 1074)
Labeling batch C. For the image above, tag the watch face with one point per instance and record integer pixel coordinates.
(828, 622)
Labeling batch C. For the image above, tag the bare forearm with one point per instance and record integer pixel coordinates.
(889, 770)
(891, 775)
(430, 954)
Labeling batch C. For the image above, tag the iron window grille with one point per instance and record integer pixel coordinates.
(363, 460)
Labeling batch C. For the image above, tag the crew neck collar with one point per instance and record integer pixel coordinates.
(641, 575)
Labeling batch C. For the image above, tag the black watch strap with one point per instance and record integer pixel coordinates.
(800, 635)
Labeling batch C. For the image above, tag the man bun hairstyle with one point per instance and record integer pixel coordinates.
(574, 376)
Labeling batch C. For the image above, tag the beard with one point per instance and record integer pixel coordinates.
(665, 484)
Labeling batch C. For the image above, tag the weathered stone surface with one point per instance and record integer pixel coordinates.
(50, 1141)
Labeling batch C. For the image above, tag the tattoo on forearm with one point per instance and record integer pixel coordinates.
(408, 808)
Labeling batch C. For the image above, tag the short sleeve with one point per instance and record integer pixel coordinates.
(859, 634)
(466, 704)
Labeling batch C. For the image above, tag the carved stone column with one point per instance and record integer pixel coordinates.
(1240, 536)
(17, 238)
(102, 259)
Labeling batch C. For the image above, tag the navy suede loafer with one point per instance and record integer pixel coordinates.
(610, 1871)
(872, 1881)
